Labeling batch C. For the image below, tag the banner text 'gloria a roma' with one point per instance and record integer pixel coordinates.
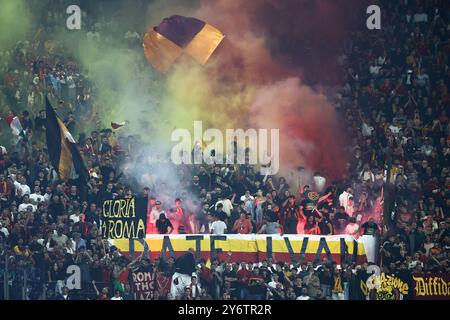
(255, 248)
(124, 218)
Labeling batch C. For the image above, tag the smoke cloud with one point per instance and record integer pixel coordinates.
(273, 70)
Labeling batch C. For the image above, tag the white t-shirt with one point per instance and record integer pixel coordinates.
(154, 215)
(75, 218)
(47, 197)
(344, 200)
(5, 231)
(273, 284)
(245, 199)
(367, 130)
(227, 206)
(394, 129)
(116, 298)
(302, 298)
(24, 206)
(23, 187)
(351, 228)
(319, 182)
(420, 17)
(37, 197)
(218, 227)
(374, 69)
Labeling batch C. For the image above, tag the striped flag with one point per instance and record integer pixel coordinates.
(15, 125)
(176, 36)
(64, 154)
(117, 125)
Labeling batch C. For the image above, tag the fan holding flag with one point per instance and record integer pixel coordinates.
(63, 150)
(15, 125)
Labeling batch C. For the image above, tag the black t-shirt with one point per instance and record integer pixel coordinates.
(39, 124)
(163, 225)
(325, 276)
(324, 226)
(96, 273)
(216, 180)
(27, 124)
(278, 294)
(290, 225)
(298, 290)
(370, 228)
(106, 170)
(74, 197)
(185, 264)
(229, 274)
(148, 268)
(289, 211)
(341, 220)
(56, 209)
(221, 215)
(204, 180)
(92, 217)
(256, 288)
(104, 148)
(272, 216)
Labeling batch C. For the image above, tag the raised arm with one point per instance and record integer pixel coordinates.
(300, 187)
(300, 213)
(95, 288)
(318, 212)
(325, 197)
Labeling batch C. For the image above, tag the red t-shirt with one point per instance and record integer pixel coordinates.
(243, 273)
(205, 275)
(106, 275)
(243, 227)
(123, 276)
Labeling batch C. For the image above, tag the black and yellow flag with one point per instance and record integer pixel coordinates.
(62, 148)
(176, 36)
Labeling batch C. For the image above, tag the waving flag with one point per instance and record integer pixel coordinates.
(178, 35)
(15, 125)
(117, 125)
(62, 148)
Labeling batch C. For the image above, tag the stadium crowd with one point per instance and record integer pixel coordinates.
(395, 99)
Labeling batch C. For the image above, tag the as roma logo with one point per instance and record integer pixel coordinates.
(313, 196)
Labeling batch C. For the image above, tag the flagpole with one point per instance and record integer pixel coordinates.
(387, 190)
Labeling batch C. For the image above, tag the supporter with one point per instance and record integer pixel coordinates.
(117, 296)
(163, 225)
(394, 98)
(243, 225)
(65, 294)
(352, 228)
(370, 227)
(218, 227)
(304, 295)
(104, 295)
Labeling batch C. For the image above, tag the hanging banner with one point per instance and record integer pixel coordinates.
(162, 284)
(385, 287)
(124, 218)
(255, 248)
(143, 285)
(434, 286)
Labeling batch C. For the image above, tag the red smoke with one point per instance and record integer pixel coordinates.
(277, 47)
